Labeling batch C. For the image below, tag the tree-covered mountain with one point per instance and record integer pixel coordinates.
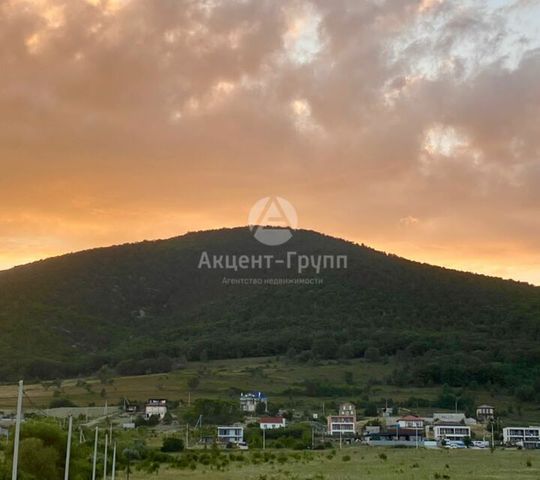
(142, 307)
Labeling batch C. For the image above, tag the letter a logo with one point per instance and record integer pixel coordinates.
(271, 220)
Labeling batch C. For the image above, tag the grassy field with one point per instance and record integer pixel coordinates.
(219, 379)
(366, 463)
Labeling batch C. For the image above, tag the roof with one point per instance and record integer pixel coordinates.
(411, 418)
(485, 406)
(258, 395)
(450, 424)
(271, 420)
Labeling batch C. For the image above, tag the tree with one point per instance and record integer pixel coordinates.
(42, 454)
(349, 377)
(105, 375)
(370, 410)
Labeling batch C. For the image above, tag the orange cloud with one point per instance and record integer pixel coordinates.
(126, 120)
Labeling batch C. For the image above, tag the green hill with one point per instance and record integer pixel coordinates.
(143, 307)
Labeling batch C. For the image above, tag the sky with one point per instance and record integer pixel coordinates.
(412, 126)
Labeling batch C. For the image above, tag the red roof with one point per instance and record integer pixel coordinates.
(271, 420)
(411, 418)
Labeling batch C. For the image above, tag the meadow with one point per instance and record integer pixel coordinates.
(369, 463)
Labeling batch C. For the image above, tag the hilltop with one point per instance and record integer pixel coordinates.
(146, 307)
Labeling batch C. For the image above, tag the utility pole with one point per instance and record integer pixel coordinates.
(187, 435)
(68, 448)
(264, 438)
(128, 471)
(105, 458)
(340, 439)
(492, 435)
(312, 437)
(17, 432)
(113, 474)
(94, 463)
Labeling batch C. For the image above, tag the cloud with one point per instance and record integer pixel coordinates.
(122, 120)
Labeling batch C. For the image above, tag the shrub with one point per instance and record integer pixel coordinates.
(172, 444)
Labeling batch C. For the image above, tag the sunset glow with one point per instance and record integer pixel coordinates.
(410, 126)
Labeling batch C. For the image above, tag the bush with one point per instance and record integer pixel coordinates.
(172, 444)
(61, 403)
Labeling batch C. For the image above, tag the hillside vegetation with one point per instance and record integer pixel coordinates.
(147, 307)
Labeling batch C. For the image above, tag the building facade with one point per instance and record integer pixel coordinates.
(342, 425)
(250, 401)
(230, 434)
(270, 423)
(526, 437)
(155, 407)
(411, 421)
(347, 409)
(451, 432)
(485, 413)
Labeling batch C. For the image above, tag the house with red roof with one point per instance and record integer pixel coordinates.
(411, 421)
(269, 423)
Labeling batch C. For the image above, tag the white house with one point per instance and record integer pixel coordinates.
(411, 421)
(448, 431)
(157, 407)
(230, 434)
(269, 423)
(527, 437)
(250, 401)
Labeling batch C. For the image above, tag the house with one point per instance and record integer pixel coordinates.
(342, 425)
(155, 407)
(411, 421)
(526, 437)
(451, 431)
(345, 422)
(269, 423)
(230, 434)
(250, 401)
(485, 413)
